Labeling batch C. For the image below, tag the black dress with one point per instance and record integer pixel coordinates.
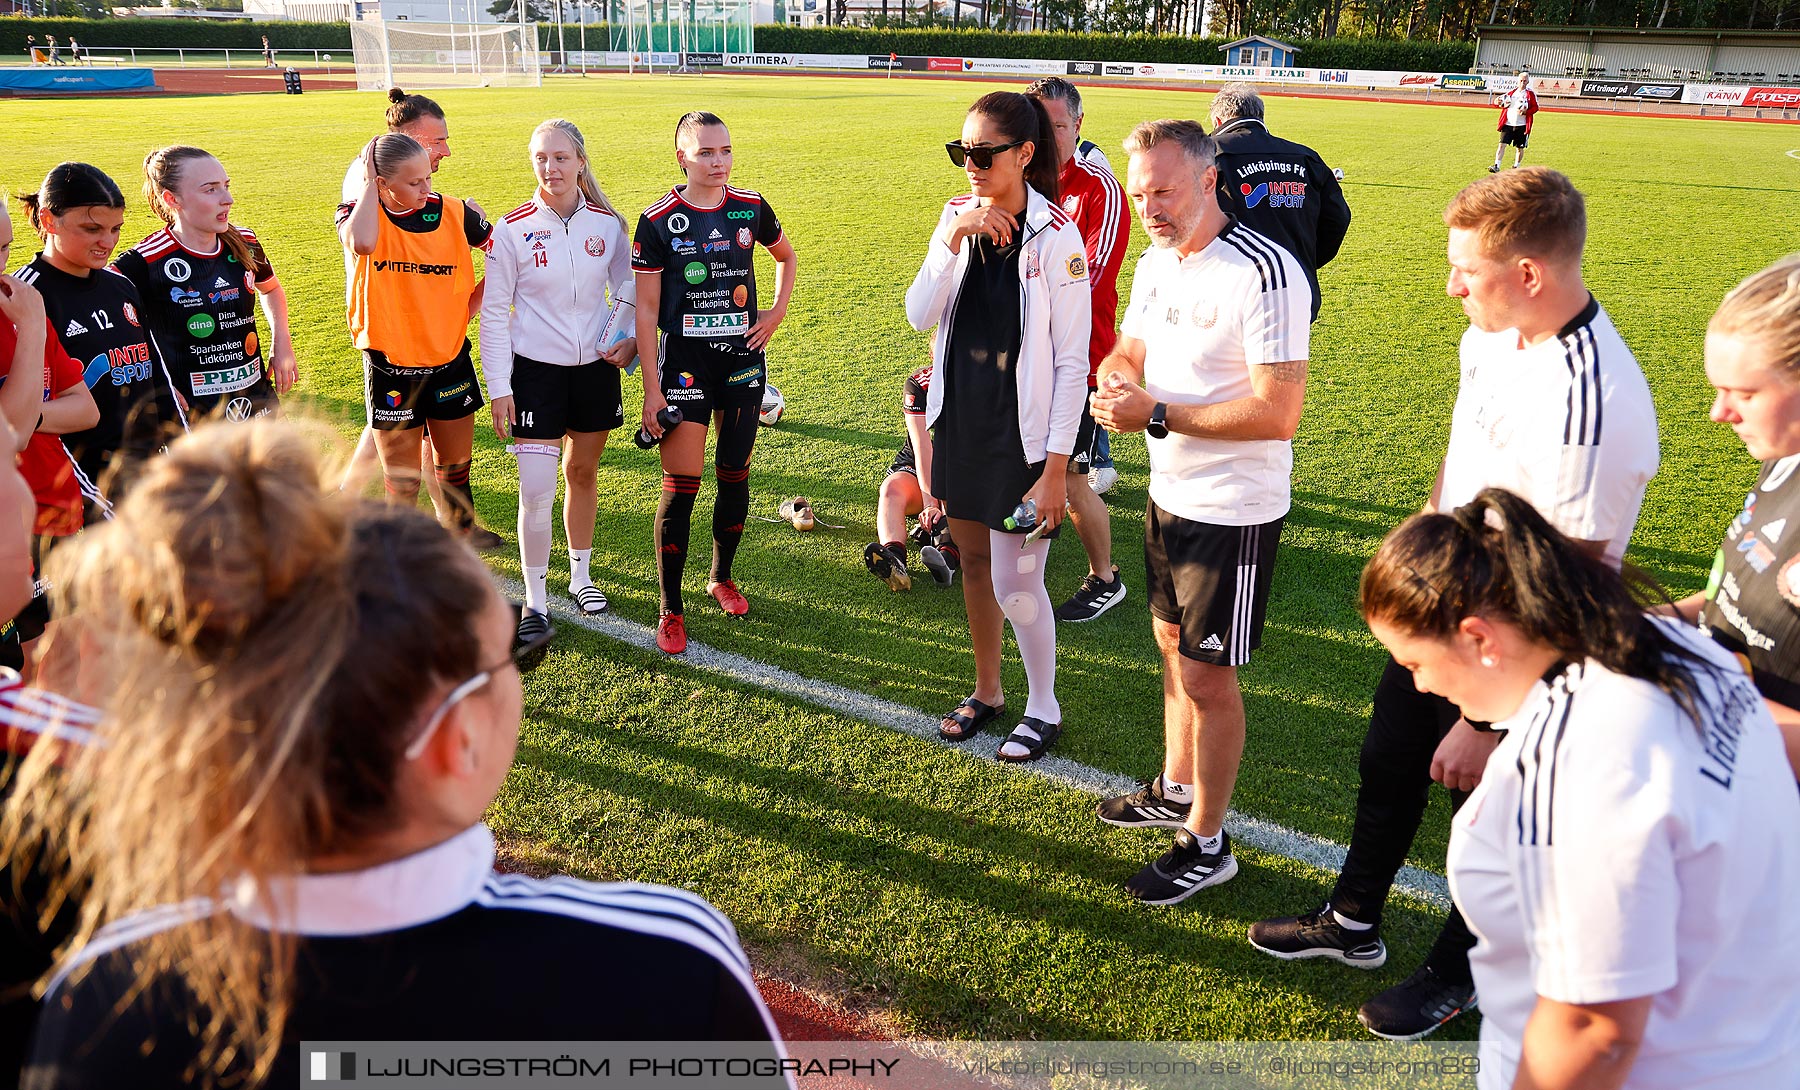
(978, 465)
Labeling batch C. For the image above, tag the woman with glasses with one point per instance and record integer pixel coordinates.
(1628, 858)
(1004, 281)
(285, 807)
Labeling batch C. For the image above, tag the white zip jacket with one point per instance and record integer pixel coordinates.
(550, 286)
(1055, 313)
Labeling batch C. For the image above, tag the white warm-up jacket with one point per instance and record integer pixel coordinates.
(550, 286)
(1055, 313)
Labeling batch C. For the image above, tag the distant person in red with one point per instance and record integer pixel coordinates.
(1517, 107)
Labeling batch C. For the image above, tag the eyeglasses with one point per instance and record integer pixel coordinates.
(982, 157)
(516, 658)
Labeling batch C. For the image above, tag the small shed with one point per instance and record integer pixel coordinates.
(1257, 51)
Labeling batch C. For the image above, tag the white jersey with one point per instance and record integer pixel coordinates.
(1205, 321)
(550, 286)
(1568, 424)
(1518, 106)
(1614, 851)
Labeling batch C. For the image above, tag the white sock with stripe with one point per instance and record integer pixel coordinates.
(1177, 792)
(578, 568)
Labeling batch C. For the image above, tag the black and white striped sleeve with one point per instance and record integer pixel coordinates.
(1277, 302)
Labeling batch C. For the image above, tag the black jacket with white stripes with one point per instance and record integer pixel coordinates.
(433, 947)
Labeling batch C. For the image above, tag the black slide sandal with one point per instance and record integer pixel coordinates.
(958, 727)
(1047, 734)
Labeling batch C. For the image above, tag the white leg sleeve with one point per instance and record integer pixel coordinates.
(1019, 588)
(537, 495)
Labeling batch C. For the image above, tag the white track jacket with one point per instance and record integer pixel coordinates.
(550, 285)
(1055, 313)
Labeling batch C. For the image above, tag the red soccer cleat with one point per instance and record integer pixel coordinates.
(671, 633)
(729, 598)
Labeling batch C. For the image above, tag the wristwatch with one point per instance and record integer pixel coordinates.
(1157, 428)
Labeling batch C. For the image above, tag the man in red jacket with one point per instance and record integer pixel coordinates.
(1517, 107)
(1094, 199)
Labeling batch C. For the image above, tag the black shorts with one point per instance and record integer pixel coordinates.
(701, 389)
(399, 398)
(258, 401)
(1081, 459)
(1211, 581)
(1514, 135)
(904, 462)
(551, 401)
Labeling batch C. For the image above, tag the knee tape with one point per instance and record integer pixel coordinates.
(1020, 608)
(537, 510)
(1027, 562)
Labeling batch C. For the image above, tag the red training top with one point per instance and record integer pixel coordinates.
(45, 462)
(1094, 199)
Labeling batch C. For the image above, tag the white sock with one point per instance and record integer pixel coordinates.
(537, 594)
(1211, 843)
(578, 568)
(1177, 792)
(537, 494)
(1349, 924)
(1018, 576)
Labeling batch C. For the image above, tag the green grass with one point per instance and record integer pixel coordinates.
(968, 900)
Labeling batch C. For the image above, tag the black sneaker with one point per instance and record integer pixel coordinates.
(1318, 935)
(941, 572)
(1095, 597)
(1145, 808)
(1416, 1006)
(885, 564)
(1183, 871)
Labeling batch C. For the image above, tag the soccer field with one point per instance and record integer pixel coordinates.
(959, 897)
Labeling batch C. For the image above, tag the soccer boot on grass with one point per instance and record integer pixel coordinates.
(1319, 935)
(887, 564)
(1416, 1006)
(1145, 808)
(1184, 870)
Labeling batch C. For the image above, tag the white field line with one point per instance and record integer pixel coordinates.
(1265, 836)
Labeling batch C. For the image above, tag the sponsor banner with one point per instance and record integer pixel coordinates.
(1463, 82)
(1565, 88)
(1420, 80)
(1714, 94)
(1605, 88)
(1120, 69)
(1084, 68)
(1780, 98)
(898, 64)
(1333, 75)
(1014, 67)
(759, 60)
(1658, 92)
(943, 64)
(1363, 77)
(63, 81)
(707, 60)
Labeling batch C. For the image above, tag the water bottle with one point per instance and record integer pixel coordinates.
(669, 417)
(1024, 516)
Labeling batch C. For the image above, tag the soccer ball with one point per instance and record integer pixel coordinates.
(1338, 173)
(773, 405)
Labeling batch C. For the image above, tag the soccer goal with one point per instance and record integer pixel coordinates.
(408, 54)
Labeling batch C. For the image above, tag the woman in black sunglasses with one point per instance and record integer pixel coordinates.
(1005, 283)
(306, 727)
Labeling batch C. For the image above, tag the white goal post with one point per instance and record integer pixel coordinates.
(402, 53)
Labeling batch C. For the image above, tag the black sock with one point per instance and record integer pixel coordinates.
(673, 514)
(453, 480)
(898, 548)
(731, 470)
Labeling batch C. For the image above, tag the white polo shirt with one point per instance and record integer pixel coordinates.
(1568, 424)
(1518, 106)
(1205, 321)
(1614, 851)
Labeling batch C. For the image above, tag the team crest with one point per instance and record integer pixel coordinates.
(595, 246)
(131, 314)
(1069, 203)
(678, 223)
(1077, 268)
(1208, 319)
(744, 238)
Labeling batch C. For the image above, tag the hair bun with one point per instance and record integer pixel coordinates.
(395, 94)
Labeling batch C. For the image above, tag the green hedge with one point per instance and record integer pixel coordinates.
(175, 33)
(1375, 53)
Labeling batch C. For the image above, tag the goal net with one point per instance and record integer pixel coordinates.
(408, 54)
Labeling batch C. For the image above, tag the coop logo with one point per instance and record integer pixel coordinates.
(1778, 97)
(415, 268)
(738, 214)
(1279, 194)
(1335, 75)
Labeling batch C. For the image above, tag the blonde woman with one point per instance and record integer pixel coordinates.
(557, 266)
(286, 844)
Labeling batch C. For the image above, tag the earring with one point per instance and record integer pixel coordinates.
(1487, 660)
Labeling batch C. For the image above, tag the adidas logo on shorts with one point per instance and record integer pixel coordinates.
(1212, 643)
(75, 329)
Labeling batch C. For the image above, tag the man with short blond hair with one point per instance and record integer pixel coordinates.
(1217, 333)
(1551, 406)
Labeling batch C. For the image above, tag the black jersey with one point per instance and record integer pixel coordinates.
(99, 319)
(918, 388)
(1753, 596)
(202, 315)
(432, 947)
(705, 256)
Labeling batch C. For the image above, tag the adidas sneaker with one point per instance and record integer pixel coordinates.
(1145, 808)
(1184, 870)
(1318, 935)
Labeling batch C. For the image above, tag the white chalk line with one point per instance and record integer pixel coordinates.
(1794, 153)
(1266, 836)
